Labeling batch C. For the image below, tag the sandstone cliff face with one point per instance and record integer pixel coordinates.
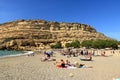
(36, 34)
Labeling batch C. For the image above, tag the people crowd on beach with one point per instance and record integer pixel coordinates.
(67, 64)
(87, 54)
(75, 53)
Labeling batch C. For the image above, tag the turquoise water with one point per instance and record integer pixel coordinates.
(8, 53)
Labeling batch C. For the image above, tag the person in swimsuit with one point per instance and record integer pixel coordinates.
(61, 64)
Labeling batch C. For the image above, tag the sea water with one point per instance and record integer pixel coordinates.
(11, 53)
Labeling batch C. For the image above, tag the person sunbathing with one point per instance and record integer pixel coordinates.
(46, 58)
(61, 64)
(78, 65)
(87, 58)
(67, 63)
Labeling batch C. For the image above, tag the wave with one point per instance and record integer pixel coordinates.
(21, 53)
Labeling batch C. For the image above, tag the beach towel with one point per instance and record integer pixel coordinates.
(71, 67)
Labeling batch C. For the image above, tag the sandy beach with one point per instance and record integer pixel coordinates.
(31, 68)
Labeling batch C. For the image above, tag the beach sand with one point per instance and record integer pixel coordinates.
(31, 68)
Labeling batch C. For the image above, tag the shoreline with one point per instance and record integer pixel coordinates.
(23, 53)
(97, 51)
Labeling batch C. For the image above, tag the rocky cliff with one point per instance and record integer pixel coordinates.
(36, 34)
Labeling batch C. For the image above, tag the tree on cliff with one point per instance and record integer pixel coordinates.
(75, 44)
(57, 45)
(100, 44)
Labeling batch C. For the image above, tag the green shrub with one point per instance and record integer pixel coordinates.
(75, 44)
(56, 46)
(100, 44)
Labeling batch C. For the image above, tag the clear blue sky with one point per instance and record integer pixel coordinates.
(103, 15)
